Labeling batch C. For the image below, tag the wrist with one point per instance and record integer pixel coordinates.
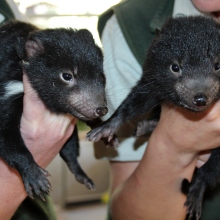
(166, 147)
(12, 193)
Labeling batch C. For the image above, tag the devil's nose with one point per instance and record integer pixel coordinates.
(200, 99)
(101, 111)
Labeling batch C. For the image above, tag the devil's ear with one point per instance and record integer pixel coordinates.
(33, 47)
(84, 33)
(19, 46)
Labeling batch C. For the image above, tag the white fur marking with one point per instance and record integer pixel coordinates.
(12, 88)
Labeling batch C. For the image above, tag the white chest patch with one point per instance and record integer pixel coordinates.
(12, 88)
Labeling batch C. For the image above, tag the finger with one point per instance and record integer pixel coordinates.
(203, 158)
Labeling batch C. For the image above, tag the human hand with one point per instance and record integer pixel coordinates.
(170, 157)
(44, 133)
(189, 133)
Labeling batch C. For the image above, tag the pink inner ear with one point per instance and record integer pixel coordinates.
(32, 47)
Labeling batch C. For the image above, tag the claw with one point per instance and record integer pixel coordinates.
(42, 197)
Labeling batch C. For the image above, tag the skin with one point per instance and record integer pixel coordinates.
(207, 6)
(44, 144)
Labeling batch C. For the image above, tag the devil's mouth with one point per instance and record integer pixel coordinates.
(216, 14)
(194, 108)
(82, 117)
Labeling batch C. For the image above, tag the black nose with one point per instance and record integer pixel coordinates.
(200, 99)
(101, 111)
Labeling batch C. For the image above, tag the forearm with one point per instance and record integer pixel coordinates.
(154, 189)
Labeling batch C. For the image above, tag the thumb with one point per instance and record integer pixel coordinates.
(31, 101)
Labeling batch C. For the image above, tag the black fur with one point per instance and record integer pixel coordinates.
(182, 67)
(64, 66)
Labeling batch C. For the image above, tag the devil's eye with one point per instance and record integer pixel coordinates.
(175, 68)
(67, 76)
(217, 66)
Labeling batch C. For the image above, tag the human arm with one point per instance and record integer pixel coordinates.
(44, 134)
(153, 190)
